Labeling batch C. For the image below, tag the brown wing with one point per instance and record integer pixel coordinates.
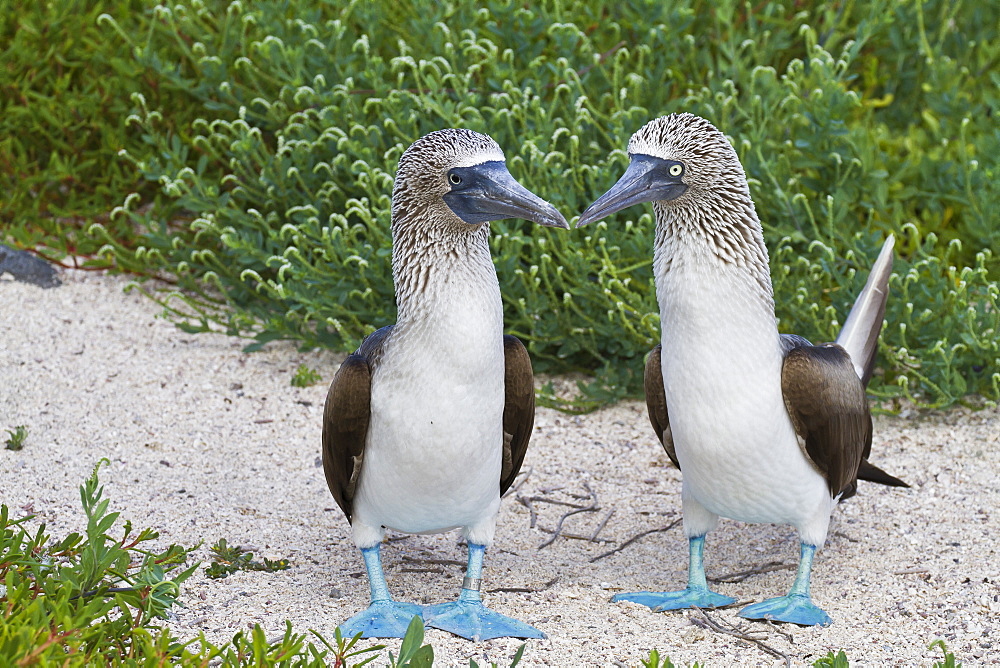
(345, 420)
(656, 403)
(518, 409)
(828, 407)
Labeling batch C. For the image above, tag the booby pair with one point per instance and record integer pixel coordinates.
(426, 424)
(765, 427)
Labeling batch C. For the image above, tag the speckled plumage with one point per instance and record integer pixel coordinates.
(440, 364)
(716, 210)
(428, 422)
(764, 427)
(721, 353)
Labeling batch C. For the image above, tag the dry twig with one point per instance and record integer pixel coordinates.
(527, 503)
(600, 527)
(557, 502)
(635, 538)
(411, 569)
(576, 536)
(439, 562)
(523, 590)
(777, 629)
(721, 627)
(743, 575)
(576, 509)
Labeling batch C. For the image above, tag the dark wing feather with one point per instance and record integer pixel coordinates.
(518, 409)
(345, 420)
(656, 403)
(828, 407)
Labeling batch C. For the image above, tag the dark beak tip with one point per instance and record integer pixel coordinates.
(553, 218)
(587, 217)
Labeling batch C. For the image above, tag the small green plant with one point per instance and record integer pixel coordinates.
(413, 654)
(87, 599)
(15, 437)
(252, 648)
(654, 661)
(344, 650)
(516, 659)
(949, 658)
(304, 377)
(226, 560)
(831, 660)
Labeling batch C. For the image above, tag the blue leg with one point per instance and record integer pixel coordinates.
(468, 617)
(384, 617)
(797, 607)
(697, 592)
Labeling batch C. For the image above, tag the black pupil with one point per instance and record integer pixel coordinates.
(456, 179)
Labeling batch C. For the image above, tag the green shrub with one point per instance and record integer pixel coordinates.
(85, 599)
(64, 94)
(271, 131)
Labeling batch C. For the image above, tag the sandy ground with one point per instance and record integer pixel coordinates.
(207, 442)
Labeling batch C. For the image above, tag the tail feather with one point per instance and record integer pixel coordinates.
(872, 473)
(859, 336)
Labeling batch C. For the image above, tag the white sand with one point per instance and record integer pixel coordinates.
(207, 442)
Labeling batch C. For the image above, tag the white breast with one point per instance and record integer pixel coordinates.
(721, 362)
(434, 449)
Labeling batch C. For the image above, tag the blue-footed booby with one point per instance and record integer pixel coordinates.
(765, 427)
(426, 424)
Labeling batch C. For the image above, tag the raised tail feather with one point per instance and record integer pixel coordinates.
(872, 473)
(859, 337)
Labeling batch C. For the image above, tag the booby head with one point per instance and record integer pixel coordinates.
(460, 177)
(679, 161)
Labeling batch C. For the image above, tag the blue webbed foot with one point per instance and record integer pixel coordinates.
(677, 600)
(794, 608)
(381, 619)
(697, 592)
(474, 621)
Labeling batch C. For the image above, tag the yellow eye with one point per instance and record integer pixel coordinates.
(675, 170)
(454, 178)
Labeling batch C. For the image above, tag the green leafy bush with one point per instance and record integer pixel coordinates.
(95, 599)
(64, 95)
(271, 131)
(84, 599)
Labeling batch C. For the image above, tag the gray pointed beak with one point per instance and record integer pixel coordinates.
(647, 179)
(488, 192)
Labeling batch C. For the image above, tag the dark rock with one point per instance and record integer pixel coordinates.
(27, 268)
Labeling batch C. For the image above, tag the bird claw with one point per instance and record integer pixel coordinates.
(677, 600)
(382, 619)
(474, 621)
(793, 608)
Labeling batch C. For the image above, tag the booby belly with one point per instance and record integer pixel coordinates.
(427, 423)
(764, 427)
